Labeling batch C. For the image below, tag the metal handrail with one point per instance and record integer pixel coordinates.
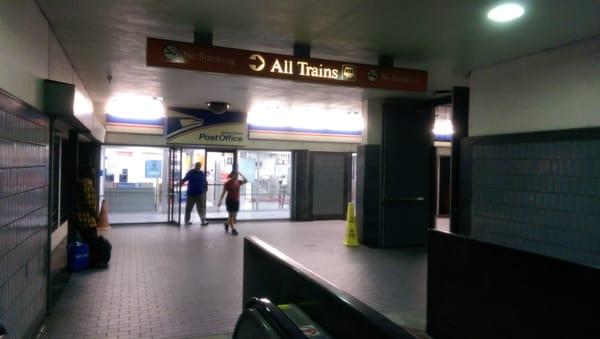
(273, 316)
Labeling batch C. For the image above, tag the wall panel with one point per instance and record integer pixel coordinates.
(23, 217)
(538, 192)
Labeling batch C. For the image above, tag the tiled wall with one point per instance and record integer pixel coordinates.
(542, 197)
(23, 221)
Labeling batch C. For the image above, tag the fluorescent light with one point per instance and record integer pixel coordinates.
(443, 123)
(82, 105)
(506, 12)
(305, 118)
(135, 107)
(443, 127)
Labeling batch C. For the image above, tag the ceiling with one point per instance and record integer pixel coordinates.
(447, 38)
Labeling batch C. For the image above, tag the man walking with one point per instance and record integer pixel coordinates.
(232, 189)
(196, 193)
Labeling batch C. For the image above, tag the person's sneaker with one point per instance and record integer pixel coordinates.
(187, 223)
(226, 227)
(204, 223)
(234, 231)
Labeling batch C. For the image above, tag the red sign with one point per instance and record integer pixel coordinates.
(183, 55)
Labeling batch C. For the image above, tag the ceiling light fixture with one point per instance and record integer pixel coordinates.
(305, 118)
(137, 107)
(443, 121)
(506, 12)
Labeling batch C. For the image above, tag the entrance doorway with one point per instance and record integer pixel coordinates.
(218, 166)
(267, 195)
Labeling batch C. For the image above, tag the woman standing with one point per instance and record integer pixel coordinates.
(232, 188)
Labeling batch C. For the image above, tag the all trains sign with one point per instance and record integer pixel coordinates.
(183, 55)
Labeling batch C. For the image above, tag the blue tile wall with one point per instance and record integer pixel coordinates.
(542, 197)
(23, 222)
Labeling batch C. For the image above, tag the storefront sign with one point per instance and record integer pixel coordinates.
(183, 55)
(203, 127)
(297, 134)
(152, 169)
(137, 126)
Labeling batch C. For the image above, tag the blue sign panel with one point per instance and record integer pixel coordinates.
(152, 169)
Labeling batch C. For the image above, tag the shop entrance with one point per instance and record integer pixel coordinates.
(218, 166)
(267, 195)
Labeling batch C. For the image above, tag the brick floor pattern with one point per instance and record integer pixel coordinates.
(185, 282)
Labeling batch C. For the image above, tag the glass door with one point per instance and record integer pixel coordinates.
(174, 197)
(218, 166)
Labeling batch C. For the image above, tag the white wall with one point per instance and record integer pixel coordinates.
(159, 140)
(30, 53)
(24, 52)
(373, 117)
(555, 89)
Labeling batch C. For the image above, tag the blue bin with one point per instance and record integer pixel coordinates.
(78, 256)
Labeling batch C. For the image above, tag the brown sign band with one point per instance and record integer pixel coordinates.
(183, 55)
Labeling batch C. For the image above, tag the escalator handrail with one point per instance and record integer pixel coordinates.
(275, 317)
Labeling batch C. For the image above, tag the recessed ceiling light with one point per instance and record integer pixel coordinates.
(137, 107)
(506, 12)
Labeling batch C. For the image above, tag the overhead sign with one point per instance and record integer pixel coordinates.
(183, 55)
(203, 127)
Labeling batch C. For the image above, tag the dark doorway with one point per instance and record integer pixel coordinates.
(407, 173)
(444, 186)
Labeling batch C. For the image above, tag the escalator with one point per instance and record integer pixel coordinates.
(261, 319)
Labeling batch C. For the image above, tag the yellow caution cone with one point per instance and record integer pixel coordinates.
(350, 239)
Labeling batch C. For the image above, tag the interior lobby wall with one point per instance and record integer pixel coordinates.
(554, 89)
(536, 187)
(30, 53)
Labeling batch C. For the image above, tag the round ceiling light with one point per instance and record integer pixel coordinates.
(506, 12)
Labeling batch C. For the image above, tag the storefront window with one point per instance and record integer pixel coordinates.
(268, 192)
(133, 183)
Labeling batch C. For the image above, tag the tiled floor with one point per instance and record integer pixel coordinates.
(172, 282)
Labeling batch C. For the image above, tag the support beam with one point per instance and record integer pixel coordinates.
(71, 175)
(203, 38)
(460, 121)
(385, 61)
(301, 50)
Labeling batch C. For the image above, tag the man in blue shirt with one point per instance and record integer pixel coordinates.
(196, 193)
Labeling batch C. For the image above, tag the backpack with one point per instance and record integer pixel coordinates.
(101, 251)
